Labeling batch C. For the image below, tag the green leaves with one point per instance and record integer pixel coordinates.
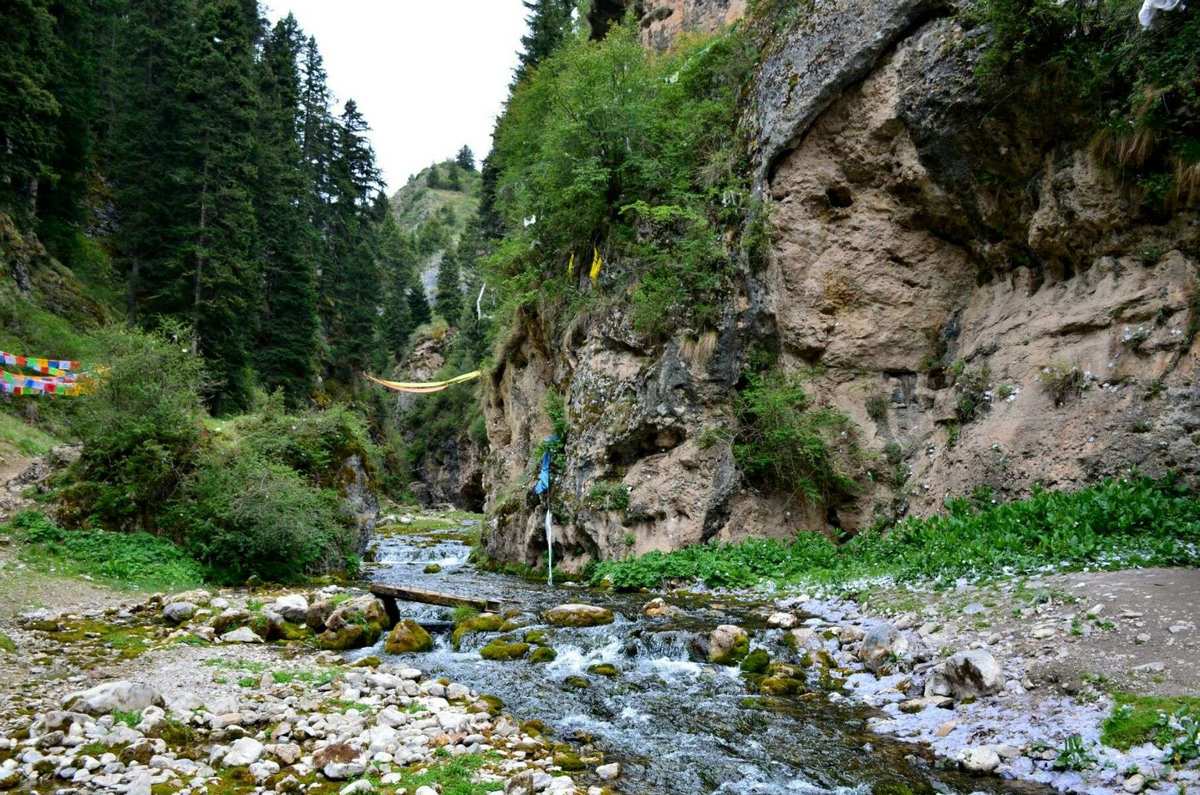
(1113, 524)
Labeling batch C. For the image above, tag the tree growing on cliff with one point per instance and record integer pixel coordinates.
(465, 159)
(549, 22)
(448, 299)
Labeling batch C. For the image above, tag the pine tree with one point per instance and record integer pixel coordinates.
(218, 124)
(286, 351)
(397, 262)
(351, 276)
(548, 21)
(418, 306)
(465, 159)
(455, 181)
(28, 109)
(448, 298)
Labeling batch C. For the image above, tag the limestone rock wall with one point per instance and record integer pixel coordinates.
(938, 264)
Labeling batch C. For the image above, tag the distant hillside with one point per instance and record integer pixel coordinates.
(418, 204)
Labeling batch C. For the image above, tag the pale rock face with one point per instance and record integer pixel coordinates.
(113, 696)
(241, 635)
(293, 607)
(968, 674)
(882, 644)
(982, 759)
(664, 20)
(243, 752)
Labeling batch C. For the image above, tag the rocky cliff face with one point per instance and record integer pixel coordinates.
(987, 304)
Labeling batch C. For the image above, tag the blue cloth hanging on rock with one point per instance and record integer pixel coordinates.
(543, 481)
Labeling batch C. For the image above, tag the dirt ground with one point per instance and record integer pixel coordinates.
(1121, 630)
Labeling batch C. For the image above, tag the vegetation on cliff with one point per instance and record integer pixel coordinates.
(1134, 90)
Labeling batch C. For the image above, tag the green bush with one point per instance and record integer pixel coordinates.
(314, 443)
(610, 146)
(130, 560)
(1115, 524)
(242, 515)
(786, 443)
(1134, 89)
(140, 428)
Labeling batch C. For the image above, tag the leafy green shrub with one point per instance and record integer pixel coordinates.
(1074, 756)
(314, 443)
(608, 146)
(786, 443)
(140, 428)
(972, 385)
(242, 515)
(1135, 88)
(877, 407)
(130, 560)
(1114, 524)
(1062, 382)
(608, 495)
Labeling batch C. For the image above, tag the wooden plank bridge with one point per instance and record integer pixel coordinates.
(390, 594)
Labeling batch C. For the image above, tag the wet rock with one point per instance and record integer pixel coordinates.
(293, 607)
(433, 568)
(408, 636)
(968, 674)
(780, 685)
(484, 622)
(178, 612)
(578, 615)
(109, 697)
(803, 639)
(604, 669)
(241, 635)
(501, 650)
(543, 654)
(658, 608)
(756, 662)
(882, 645)
(728, 644)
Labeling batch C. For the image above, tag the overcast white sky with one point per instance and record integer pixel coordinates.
(429, 75)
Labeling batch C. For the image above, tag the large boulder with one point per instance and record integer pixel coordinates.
(484, 622)
(882, 645)
(178, 612)
(408, 636)
(243, 752)
(968, 674)
(122, 696)
(359, 610)
(728, 644)
(196, 597)
(578, 615)
(319, 612)
(241, 635)
(230, 619)
(293, 607)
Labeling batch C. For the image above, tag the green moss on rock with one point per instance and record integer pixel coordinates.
(604, 669)
(756, 662)
(542, 654)
(503, 651)
(484, 622)
(408, 636)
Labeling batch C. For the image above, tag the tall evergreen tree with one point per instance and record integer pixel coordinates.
(549, 22)
(418, 306)
(397, 262)
(217, 177)
(351, 278)
(465, 159)
(448, 299)
(286, 351)
(28, 109)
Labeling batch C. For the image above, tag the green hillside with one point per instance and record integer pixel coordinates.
(417, 202)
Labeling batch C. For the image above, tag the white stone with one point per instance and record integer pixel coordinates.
(609, 772)
(243, 752)
(982, 759)
(120, 696)
(782, 620)
(241, 635)
(360, 786)
(1134, 784)
(293, 607)
(178, 612)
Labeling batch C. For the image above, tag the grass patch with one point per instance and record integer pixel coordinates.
(1114, 524)
(23, 437)
(130, 719)
(452, 777)
(1137, 719)
(137, 561)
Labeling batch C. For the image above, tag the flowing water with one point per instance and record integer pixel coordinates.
(676, 725)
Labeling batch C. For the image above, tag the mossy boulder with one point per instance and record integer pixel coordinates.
(484, 622)
(728, 645)
(230, 619)
(778, 685)
(577, 682)
(408, 636)
(568, 760)
(432, 568)
(578, 615)
(503, 650)
(352, 636)
(756, 662)
(604, 669)
(542, 654)
(537, 636)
